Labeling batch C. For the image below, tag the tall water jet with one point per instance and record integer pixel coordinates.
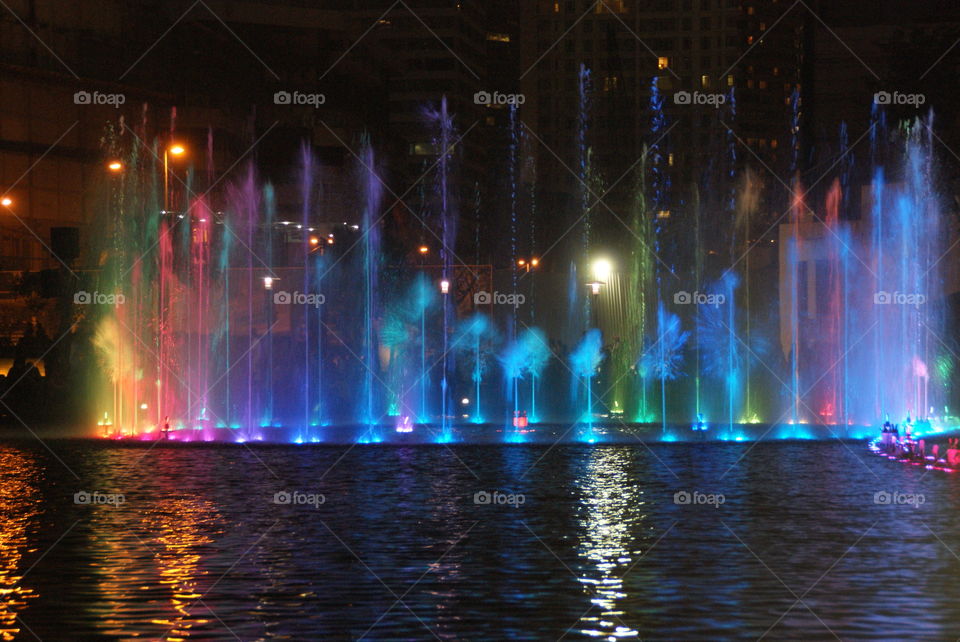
(476, 341)
(442, 121)
(584, 361)
(372, 191)
(663, 355)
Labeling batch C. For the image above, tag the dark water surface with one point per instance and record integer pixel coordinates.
(801, 547)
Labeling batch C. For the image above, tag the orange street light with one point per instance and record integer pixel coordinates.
(115, 166)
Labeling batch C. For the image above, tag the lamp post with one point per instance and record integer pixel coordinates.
(171, 150)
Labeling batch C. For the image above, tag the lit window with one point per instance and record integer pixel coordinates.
(763, 26)
(730, 81)
(749, 40)
(773, 143)
(556, 7)
(610, 83)
(612, 6)
(750, 11)
(776, 71)
(423, 149)
(704, 80)
(498, 37)
(670, 159)
(762, 84)
(663, 62)
(663, 214)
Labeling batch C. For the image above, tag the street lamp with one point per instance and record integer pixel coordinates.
(528, 264)
(602, 269)
(601, 274)
(115, 166)
(6, 201)
(175, 150)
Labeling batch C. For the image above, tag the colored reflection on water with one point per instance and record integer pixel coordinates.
(400, 548)
(19, 509)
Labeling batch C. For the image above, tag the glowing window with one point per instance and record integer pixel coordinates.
(612, 6)
(663, 62)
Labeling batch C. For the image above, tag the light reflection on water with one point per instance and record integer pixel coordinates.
(612, 513)
(19, 509)
(400, 550)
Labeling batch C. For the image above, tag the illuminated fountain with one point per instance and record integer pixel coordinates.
(237, 321)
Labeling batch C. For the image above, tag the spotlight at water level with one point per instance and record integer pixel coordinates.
(424, 249)
(6, 201)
